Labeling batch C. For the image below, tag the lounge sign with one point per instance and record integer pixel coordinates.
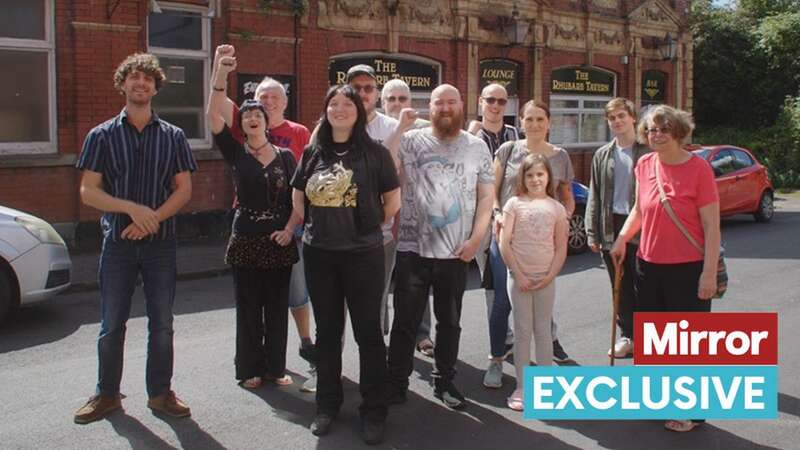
(500, 71)
(654, 87)
(419, 76)
(576, 80)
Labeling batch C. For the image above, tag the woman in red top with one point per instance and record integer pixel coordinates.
(673, 275)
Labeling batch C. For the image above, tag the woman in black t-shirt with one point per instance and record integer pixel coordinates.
(346, 185)
(259, 248)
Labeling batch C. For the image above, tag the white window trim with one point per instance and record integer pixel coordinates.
(579, 111)
(204, 54)
(46, 45)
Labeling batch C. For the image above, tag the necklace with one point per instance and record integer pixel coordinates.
(342, 153)
(256, 151)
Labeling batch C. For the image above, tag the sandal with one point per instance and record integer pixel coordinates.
(516, 402)
(426, 347)
(681, 426)
(280, 381)
(252, 383)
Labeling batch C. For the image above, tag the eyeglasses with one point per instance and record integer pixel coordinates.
(492, 100)
(399, 98)
(657, 130)
(365, 88)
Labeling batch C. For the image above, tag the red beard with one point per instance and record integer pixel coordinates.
(449, 125)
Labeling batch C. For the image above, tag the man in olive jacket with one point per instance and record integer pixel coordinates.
(612, 191)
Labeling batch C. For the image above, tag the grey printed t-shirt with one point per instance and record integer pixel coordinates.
(560, 164)
(440, 191)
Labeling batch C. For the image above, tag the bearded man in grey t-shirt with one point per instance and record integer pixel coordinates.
(447, 187)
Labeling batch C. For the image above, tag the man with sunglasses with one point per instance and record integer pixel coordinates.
(396, 96)
(491, 128)
(494, 132)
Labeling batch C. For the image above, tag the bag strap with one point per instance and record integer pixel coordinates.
(283, 155)
(670, 212)
(503, 166)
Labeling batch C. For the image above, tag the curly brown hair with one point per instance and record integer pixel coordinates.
(143, 62)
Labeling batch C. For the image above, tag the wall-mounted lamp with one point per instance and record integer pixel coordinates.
(667, 47)
(392, 6)
(514, 28)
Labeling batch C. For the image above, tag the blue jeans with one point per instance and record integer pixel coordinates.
(120, 265)
(501, 308)
(298, 294)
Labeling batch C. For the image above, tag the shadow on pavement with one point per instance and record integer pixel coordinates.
(139, 436)
(788, 404)
(287, 402)
(650, 434)
(421, 423)
(57, 318)
(190, 434)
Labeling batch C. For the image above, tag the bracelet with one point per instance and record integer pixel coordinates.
(218, 89)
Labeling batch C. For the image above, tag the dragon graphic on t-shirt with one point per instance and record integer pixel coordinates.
(332, 187)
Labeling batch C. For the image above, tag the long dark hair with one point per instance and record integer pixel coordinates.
(358, 136)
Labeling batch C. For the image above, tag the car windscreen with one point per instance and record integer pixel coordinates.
(703, 152)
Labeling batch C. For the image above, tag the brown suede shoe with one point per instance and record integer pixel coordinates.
(96, 408)
(169, 404)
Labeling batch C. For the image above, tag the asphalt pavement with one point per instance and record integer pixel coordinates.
(48, 367)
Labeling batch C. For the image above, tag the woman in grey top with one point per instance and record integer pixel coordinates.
(535, 117)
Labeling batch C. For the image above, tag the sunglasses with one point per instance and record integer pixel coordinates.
(366, 88)
(399, 98)
(492, 100)
(657, 130)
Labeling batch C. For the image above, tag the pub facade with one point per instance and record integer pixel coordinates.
(574, 55)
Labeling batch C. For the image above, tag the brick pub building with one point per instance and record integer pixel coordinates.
(58, 58)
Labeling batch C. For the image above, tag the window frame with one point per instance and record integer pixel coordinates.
(580, 111)
(36, 45)
(204, 55)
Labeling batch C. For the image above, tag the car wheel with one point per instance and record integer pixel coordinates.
(766, 208)
(578, 241)
(6, 301)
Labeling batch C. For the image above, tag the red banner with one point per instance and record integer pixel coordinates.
(685, 338)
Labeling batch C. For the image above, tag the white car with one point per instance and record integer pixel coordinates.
(34, 260)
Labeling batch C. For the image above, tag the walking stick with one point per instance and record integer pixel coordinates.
(615, 306)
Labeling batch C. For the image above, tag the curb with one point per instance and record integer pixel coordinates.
(78, 287)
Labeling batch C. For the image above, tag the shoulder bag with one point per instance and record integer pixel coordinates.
(722, 271)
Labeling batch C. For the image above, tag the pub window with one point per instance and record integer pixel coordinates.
(578, 121)
(421, 102)
(179, 36)
(27, 81)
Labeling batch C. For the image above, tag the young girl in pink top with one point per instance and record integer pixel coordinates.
(533, 243)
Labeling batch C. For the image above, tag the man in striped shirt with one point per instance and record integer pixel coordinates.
(137, 170)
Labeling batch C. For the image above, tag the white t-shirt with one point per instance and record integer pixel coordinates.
(440, 191)
(380, 128)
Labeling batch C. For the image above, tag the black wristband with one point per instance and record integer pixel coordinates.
(218, 89)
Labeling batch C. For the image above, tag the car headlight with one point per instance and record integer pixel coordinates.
(40, 229)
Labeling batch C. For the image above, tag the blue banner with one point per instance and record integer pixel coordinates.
(651, 392)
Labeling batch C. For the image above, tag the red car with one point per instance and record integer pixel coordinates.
(742, 182)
